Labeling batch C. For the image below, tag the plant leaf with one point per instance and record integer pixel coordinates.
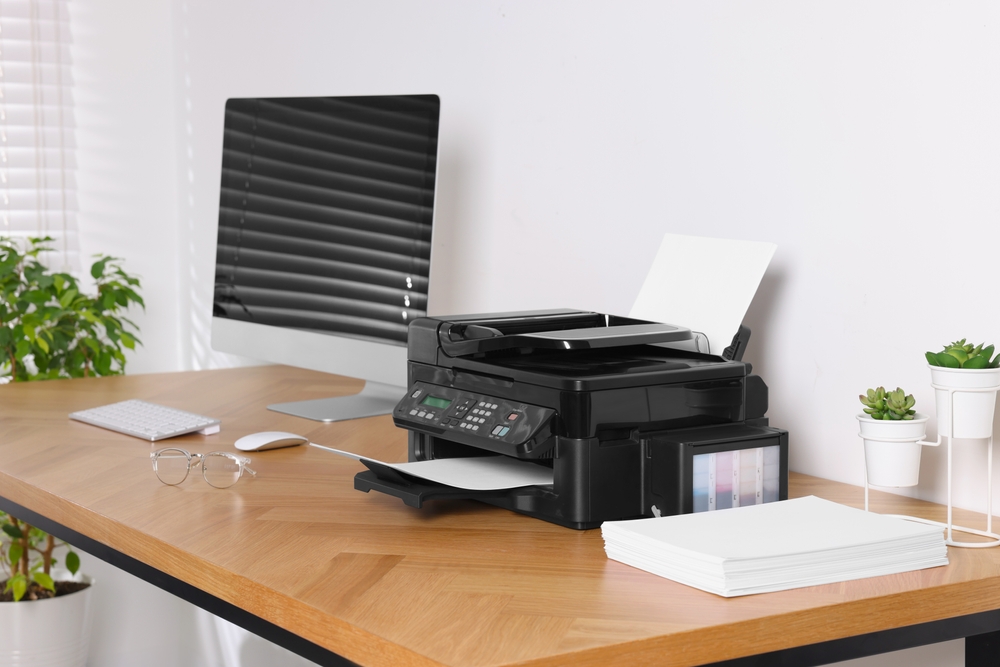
(13, 531)
(947, 360)
(45, 581)
(15, 552)
(19, 584)
(67, 298)
(72, 562)
(958, 353)
(977, 362)
(97, 268)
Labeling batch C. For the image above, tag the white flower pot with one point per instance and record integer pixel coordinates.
(973, 416)
(892, 455)
(47, 633)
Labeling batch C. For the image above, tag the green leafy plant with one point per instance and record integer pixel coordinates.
(964, 355)
(27, 555)
(888, 405)
(50, 329)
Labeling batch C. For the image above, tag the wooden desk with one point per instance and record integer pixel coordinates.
(364, 577)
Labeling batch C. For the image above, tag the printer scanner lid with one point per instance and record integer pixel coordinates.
(552, 330)
(571, 349)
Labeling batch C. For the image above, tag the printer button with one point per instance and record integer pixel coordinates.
(482, 404)
(503, 431)
(488, 413)
(413, 412)
(496, 430)
(421, 414)
(416, 393)
(512, 416)
(475, 428)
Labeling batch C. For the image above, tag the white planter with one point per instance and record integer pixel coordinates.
(47, 633)
(973, 415)
(892, 455)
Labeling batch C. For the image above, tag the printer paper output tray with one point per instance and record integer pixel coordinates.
(413, 491)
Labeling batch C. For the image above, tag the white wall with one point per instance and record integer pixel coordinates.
(862, 138)
(125, 108)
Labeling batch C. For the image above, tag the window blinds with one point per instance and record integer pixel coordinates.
(325, 213)
(37, 188)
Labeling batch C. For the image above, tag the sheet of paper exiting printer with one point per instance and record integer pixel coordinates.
(703, 284)
(481, 473)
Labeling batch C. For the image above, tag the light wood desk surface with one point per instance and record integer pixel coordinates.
(379, 583)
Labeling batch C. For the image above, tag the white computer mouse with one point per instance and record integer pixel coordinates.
(258, 442)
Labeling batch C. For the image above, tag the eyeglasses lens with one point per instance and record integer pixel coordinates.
(221, 471)
(171, 466)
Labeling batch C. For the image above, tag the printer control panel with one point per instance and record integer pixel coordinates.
(471, 417)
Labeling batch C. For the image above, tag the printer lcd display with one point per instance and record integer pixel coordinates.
(436, 402)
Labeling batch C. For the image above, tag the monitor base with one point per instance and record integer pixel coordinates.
(373, 400)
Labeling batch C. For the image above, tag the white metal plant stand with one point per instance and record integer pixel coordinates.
(950, 526)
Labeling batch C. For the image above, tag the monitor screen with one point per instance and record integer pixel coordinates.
(325, 213)
(324, 240)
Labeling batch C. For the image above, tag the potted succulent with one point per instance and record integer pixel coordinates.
(891, 430)
(46, 618)
(965, 378)
(49, 328)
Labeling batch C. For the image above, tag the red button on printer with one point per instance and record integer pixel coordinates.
(512, 416)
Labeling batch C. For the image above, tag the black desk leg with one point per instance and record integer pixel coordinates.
(983, 650)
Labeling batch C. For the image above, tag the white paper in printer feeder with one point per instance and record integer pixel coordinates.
(703, 284)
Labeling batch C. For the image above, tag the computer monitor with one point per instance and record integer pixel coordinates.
(324, 243)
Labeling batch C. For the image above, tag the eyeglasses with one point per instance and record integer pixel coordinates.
(220, 469)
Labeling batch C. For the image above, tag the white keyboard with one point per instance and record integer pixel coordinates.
(148, 421)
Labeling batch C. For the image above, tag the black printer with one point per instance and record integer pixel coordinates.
(631, 424)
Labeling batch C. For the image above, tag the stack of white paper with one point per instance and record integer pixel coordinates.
(774, 546)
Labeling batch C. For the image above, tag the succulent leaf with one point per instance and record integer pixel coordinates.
(947, 361)
(959, 354)
(976, 362)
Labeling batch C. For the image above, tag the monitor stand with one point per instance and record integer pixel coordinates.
(375, 399)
